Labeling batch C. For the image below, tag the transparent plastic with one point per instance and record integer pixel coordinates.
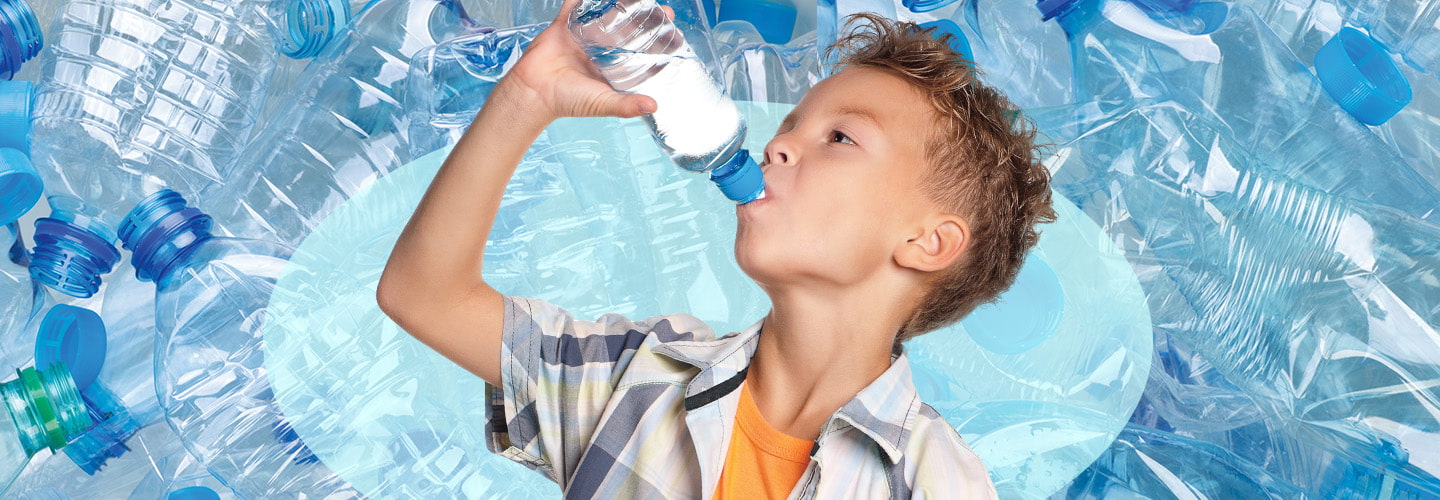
(1408, 27)
(755, 70)
(1321, 309)
(42, 410)
(639, 50)
(338, 130)
(135, 97)
(1220, 58)
(210, 302)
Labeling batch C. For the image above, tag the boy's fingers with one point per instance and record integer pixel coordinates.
(563, 17)
(669, 12)
(627, 105)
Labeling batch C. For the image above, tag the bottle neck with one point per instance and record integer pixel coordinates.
(161, 233)
(45, 406)
(309, 25)
(20, 37)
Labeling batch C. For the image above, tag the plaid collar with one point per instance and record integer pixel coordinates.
(886, 410)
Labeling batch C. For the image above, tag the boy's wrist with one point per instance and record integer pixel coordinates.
(519, 106)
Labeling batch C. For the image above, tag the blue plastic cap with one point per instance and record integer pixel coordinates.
(106, 439)
(958, 42)
(74, 336)
(1360, 75)
(740, 178)
(17, 100)
(925, 5)
(774, 19)
(193, 493)
(20, 185)
(20, 37)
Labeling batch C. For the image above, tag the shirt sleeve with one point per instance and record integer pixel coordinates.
(557, 376)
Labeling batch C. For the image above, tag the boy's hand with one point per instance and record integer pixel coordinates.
(554, 78)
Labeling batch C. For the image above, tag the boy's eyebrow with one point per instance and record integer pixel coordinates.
(863, 113)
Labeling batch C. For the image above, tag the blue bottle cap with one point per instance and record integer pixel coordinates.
(311, 24)
(193, 493)
(16, 108)
(925, 5)
(106, 439)
(1360, 75)
(74, 336)
(20, 185)
(20, 37)
(740, 178)
(774, 19)
(958, 42)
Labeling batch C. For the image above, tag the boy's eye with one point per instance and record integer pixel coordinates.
(838, 136)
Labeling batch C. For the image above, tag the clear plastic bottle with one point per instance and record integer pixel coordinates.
(637, 49)
(1407, 27)
(1402, 105)
(756, 70)
(43, 411)
(20, 185)
(135, 96)
(340, 129)
(1220, 58)
(1270, 280)
(210, 301)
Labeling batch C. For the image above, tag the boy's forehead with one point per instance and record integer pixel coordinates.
(870, 94)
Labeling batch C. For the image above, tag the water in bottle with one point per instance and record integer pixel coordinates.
(1220, 58)
(135, 97)
(210, 301)
(43, 411)
(638, 49)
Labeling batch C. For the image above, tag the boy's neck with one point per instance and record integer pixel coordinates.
(815, 353)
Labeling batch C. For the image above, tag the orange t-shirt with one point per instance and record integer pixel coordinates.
(762, 462)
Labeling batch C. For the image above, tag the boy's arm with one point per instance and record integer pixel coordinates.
(432, 286)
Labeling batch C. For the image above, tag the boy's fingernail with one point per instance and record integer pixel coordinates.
(647, 107)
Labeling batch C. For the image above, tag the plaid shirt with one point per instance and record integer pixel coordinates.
(615, 408)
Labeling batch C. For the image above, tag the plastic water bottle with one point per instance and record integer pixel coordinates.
(637, 49)
(1146, 463)
(22, 28)
(1402, 105)
(754, 69)
(340, 130)
(1221, 58)
(1407, 27)
(134, 98)
(20, 185)
(210, 299)
(43, 410)
(1272, 280)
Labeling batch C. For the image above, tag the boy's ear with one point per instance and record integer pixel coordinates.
(939, 243)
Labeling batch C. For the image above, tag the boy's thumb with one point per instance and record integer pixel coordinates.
(633, 105)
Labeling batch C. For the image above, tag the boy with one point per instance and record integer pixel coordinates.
(900, 194)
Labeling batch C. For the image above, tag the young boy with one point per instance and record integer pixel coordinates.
(900, 194)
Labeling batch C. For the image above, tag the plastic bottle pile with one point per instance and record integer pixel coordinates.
(1240, 297)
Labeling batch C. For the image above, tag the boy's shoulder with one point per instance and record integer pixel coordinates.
(937, 458)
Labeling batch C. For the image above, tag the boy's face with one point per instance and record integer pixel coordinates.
(842, 183)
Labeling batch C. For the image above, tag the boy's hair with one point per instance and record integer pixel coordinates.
(986, 165)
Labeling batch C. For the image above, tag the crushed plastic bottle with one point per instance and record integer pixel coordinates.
(1272, 280)
(134, 98)
(756, 70)
(637, 49)
(1402, 105)
(211, 294)
(339, 130)
(1220, 58)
